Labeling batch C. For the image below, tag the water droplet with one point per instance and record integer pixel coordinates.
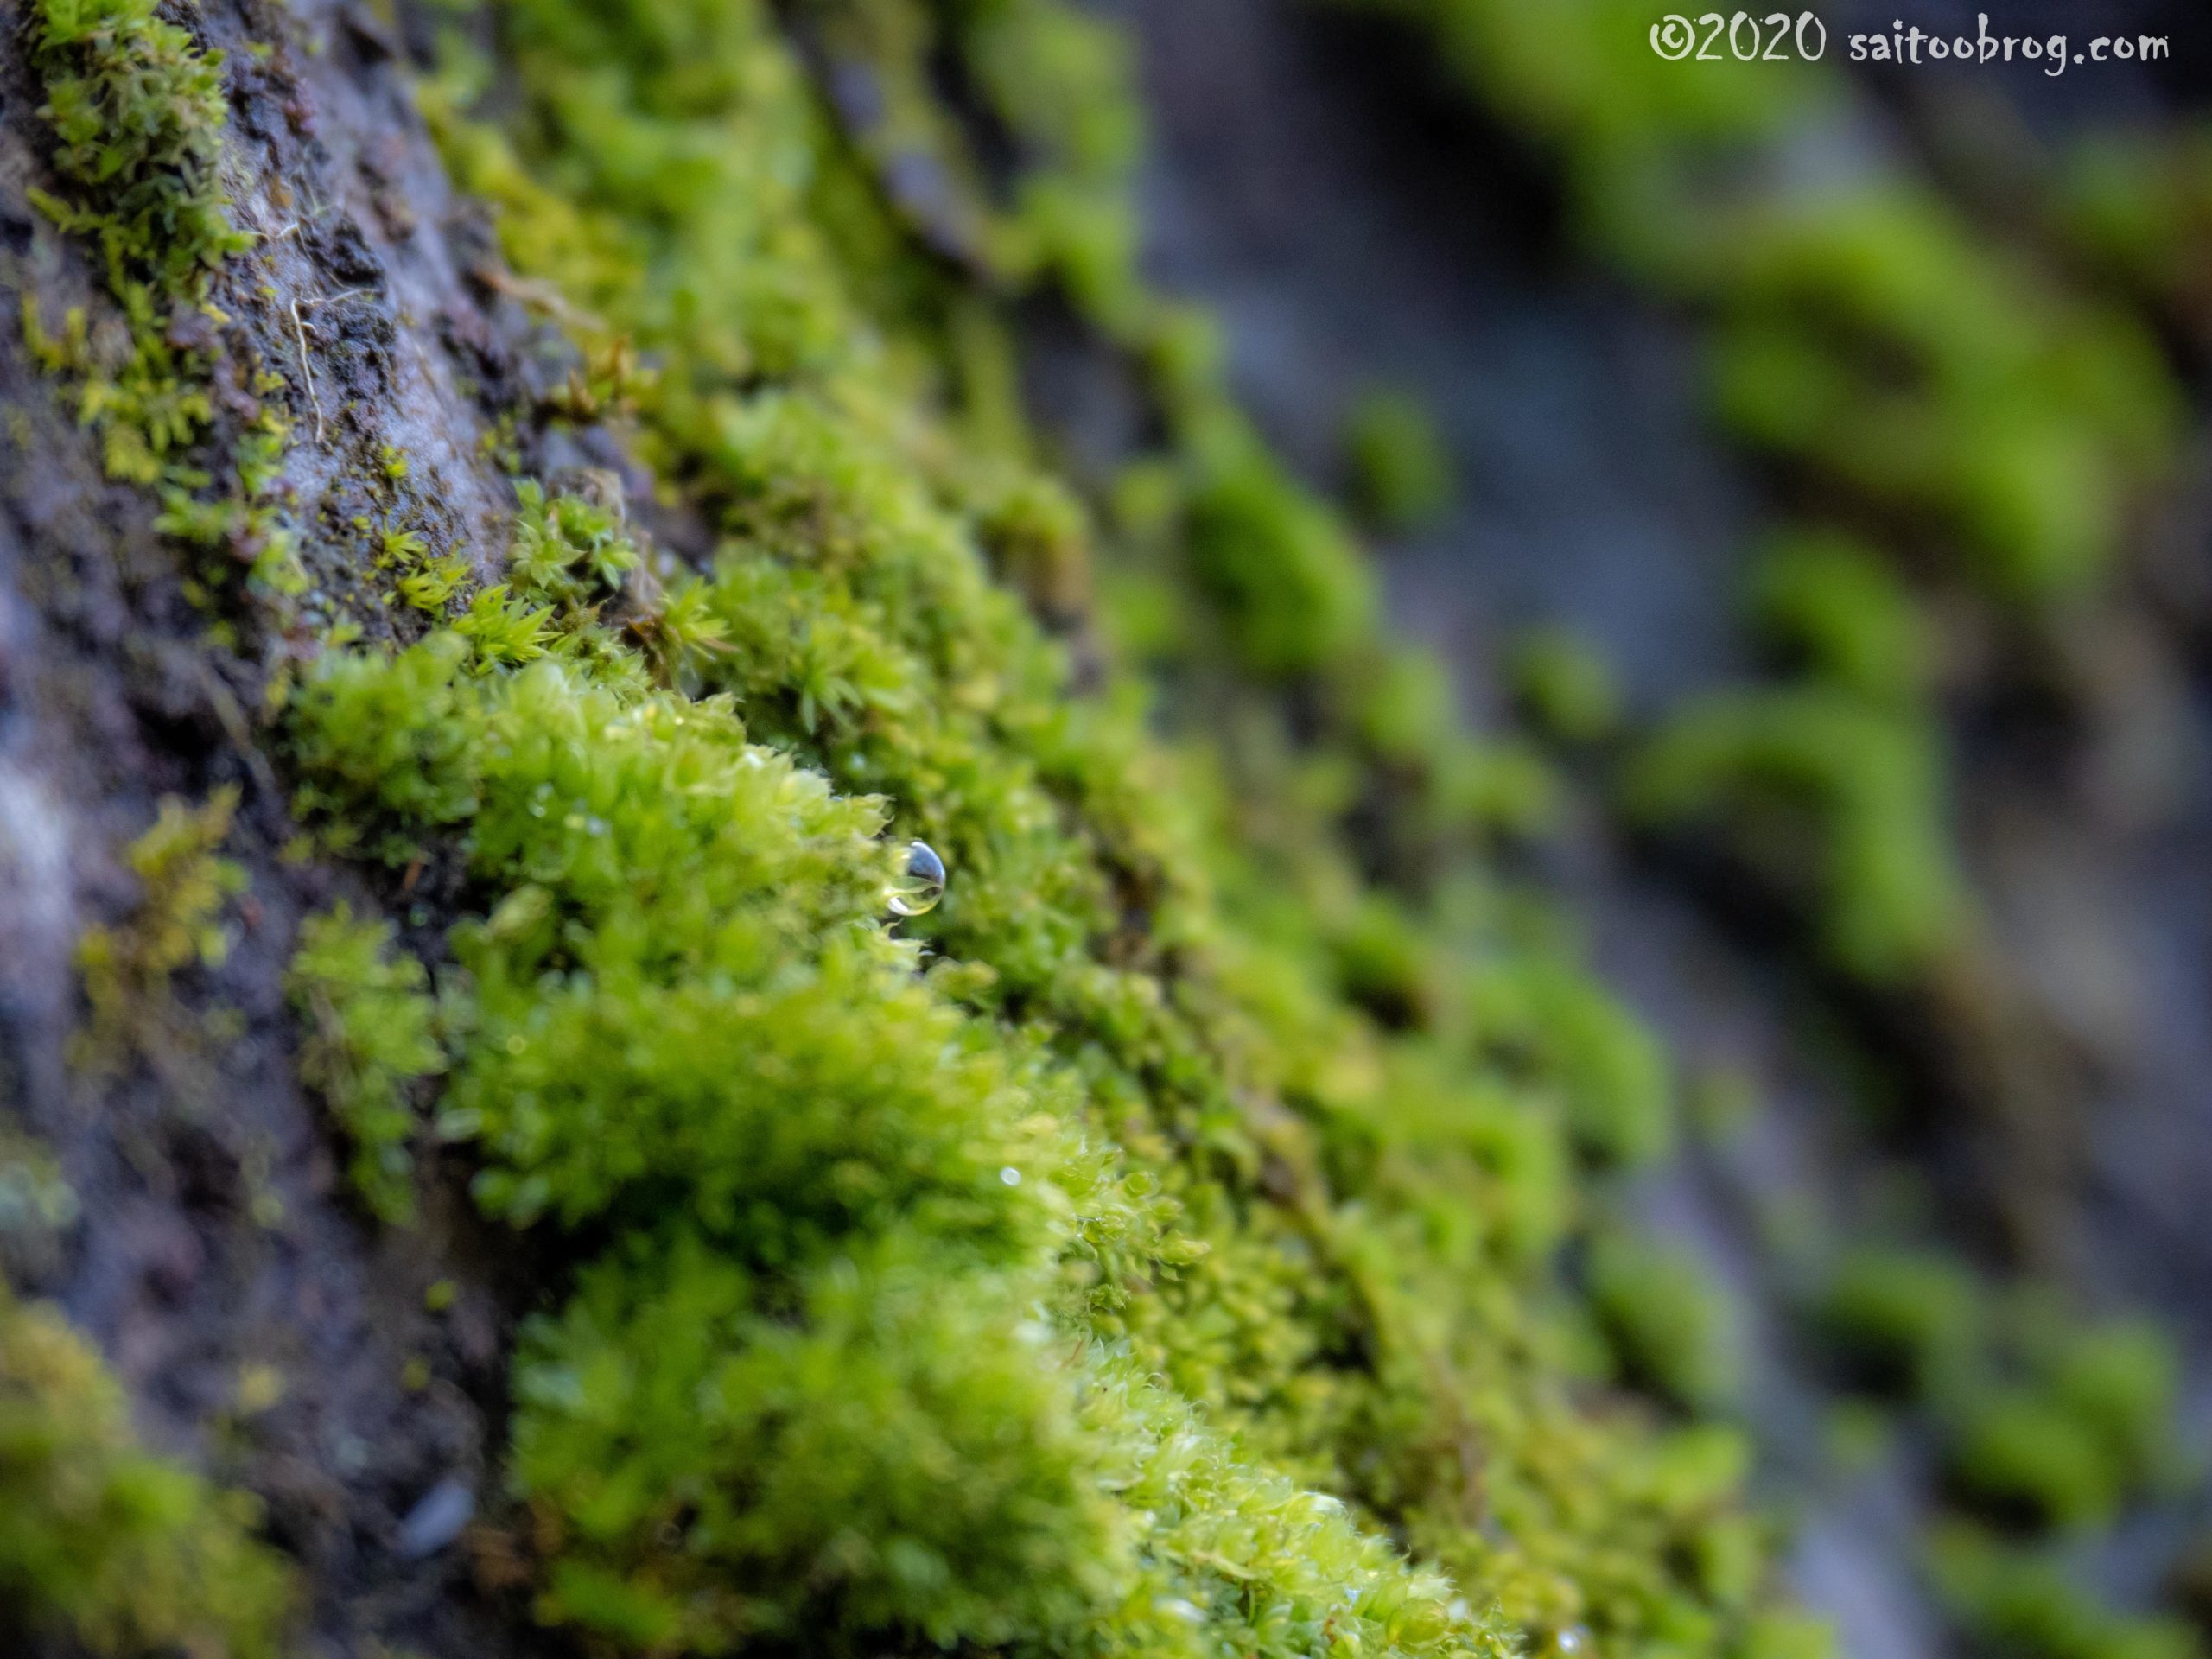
(1010, 1175)
(1179, 1607)
(1573, 1639)
(922, 884)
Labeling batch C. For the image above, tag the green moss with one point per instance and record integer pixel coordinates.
(1838, 802)
(123, 1552)
(1877, 341)
(1198, 1042)
(1831, 784)
(733, 1459)
(250, 523)
(567, 549)
(370, 1034)
(1615, 1079)
(1111, 1283)
(183, 887)
(1992, 418)
(1274, 561)
(1871, 335)
(1831, 603)
(2021, 1600)
(694, 956)
(1400, 474)
(2121, 1383)
(2077, 1419)
(1666, 1321)
(1904, 1322)
(2043, 1418)
(1565, 688)
(2024, 1454)
(136, 110)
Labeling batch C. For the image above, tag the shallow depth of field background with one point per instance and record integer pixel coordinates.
(1565, 472)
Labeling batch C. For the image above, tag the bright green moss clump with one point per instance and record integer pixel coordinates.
(370, 1032)
(137, 112)
(1135, 1016)
(844, 1199)
(862, 1448)
(99, 1541)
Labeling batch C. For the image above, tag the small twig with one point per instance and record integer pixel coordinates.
(233, 719)
(301, 328)
(300, 333)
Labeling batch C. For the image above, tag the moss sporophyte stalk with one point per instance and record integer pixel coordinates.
(1145, 1240)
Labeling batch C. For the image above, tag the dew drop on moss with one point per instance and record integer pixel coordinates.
(921, 884)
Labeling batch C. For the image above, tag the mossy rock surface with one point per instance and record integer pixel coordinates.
(526, 512)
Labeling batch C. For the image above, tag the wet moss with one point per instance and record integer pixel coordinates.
(1073, 1268)
(852, 631)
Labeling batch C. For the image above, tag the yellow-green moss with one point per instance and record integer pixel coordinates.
(100, 1541)
(371, 1033)
(137, 112)
(183, 887)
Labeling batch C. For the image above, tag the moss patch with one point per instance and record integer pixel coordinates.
(128, 1554)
